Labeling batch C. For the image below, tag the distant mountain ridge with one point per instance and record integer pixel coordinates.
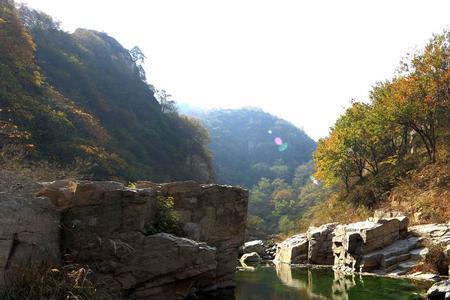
(244, 145)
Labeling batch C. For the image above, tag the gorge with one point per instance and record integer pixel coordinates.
(110, 190)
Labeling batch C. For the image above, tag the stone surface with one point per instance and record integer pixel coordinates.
(253, 246)
(419, 253)
(249, 258)
(389, 257)
(293, 250)
(29, 226)
(220, 213)
(425, 276)
(355, 245)
(437, 233)
(104, 226)
(163, 266)
(389, 215)
(439, 291)
(320, 240)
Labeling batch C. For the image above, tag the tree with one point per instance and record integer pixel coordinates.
(167, 105)
(137, 55)
(332, 163)
(378, 136)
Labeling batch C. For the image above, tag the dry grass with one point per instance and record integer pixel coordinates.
(333, 210)
(16, 158)
(424, 195)
(70, 282)
(435, 261)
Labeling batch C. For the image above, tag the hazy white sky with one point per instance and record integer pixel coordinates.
(301, 60)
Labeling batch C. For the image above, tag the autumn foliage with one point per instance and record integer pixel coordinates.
(404, 126)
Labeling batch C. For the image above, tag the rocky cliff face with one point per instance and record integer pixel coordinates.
(213, 214)
(103, 225)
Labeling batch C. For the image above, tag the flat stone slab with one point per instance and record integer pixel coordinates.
(407, 265)
(437, 233)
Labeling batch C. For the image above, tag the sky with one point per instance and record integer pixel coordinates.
(303, 61)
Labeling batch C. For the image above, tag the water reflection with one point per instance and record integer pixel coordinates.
(285, 283)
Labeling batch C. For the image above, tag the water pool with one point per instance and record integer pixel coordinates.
(282, 282)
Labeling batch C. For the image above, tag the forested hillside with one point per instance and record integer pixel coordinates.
(65, 96)
(267, 155)
(248, 144)
(393, 151)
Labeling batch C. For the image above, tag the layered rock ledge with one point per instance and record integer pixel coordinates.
(103, 225)
(383, 244)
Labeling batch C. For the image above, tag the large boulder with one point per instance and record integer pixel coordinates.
(162, 266)
(320, 239)
(211, 213)
(293, 250)
(383, 216)
(253, 246)
(29, 226)
(353, 242)
(439, 291)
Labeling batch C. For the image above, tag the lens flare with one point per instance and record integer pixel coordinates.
(278, 141)
(269, 131)
(283, 147)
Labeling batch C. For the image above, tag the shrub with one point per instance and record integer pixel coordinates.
(165, 219)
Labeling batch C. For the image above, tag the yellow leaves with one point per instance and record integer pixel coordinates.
(283, 194)
(88, 149)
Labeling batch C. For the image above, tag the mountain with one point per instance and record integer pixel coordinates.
(269, 156)
(248, 144)
(84, 95)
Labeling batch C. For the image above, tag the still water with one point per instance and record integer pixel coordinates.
(285, 283)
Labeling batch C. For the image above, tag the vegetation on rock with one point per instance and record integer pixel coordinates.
(165, 219)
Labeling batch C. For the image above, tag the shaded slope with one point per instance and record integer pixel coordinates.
(101, 77)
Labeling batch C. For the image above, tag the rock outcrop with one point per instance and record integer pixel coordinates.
(214, 214)
(314, 247)
(29, 225)
(253, 246)
(320, 240)
(293, 250)
(104, 225)
(369, 245)
(382, 245)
